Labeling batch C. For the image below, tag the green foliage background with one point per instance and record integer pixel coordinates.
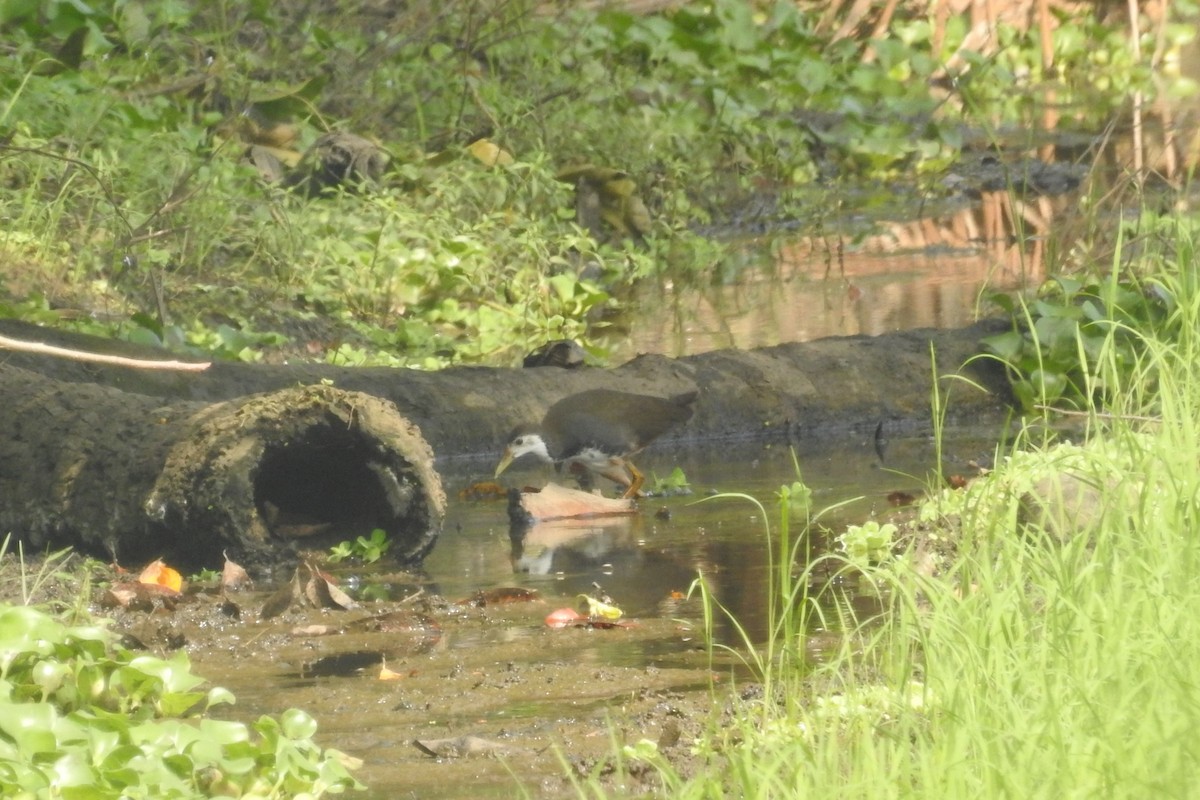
(130, 210)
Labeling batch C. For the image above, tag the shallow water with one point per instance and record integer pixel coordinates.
(554, 696)
(935, 272)
(641, 560)
(499, 673)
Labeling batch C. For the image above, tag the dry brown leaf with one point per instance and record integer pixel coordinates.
(234, 576)
(322, 592)
(315, 630)
(139, 596)
(282, 599)
(504, 594)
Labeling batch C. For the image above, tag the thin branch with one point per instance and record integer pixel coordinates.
(40, 348)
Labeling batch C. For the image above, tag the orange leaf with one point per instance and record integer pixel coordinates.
(157, 573)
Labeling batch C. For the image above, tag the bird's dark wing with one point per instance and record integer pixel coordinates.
(616, 422)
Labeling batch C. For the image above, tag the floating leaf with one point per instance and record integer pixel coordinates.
(564, 617)
(598, 609)
(504, 594)
(386, 674)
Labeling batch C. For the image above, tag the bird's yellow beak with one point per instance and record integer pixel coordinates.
(505, 460)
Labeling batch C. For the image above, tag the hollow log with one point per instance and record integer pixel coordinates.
(822, 391)
(135, 477)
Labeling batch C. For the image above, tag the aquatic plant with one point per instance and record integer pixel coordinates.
(82, 717)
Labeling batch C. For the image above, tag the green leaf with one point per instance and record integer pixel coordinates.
(1048, 386)
(1007, 346)
(30, 725)
(74, 769)
(297, 724)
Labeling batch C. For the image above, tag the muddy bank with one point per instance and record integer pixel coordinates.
(802, 392)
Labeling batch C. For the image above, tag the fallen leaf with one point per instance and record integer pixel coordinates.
(315, 630)
(159, 574)
(324, 593)
(564, 617)
(282, 599)
(140, 597)
(598, 609)
(386, 674)
(234, 576)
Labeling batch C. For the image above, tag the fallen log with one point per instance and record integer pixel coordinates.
(134, 477)
(797, 393)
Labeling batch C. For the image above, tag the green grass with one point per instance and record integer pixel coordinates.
(1008, 661)
(131, 210)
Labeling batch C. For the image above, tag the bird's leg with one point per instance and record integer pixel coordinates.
(635, 482)
(583, 476)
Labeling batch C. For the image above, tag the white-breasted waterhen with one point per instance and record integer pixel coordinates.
(599, 430)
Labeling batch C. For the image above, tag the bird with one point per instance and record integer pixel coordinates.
(598, 431)
(565, 353)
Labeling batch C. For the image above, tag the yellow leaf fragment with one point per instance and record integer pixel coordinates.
(489, 153)
(600, 609)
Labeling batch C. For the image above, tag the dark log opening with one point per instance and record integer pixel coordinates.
(330, 482)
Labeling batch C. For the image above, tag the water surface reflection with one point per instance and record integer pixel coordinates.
(644, 560)
(928, 272)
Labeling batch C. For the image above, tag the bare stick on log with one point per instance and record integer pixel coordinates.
(39, 348)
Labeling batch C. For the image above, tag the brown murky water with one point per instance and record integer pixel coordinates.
(535, 696)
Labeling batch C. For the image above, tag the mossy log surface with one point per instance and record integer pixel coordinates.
(795, 393)
(135, 477)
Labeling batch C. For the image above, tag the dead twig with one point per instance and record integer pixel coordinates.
(40, 348)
